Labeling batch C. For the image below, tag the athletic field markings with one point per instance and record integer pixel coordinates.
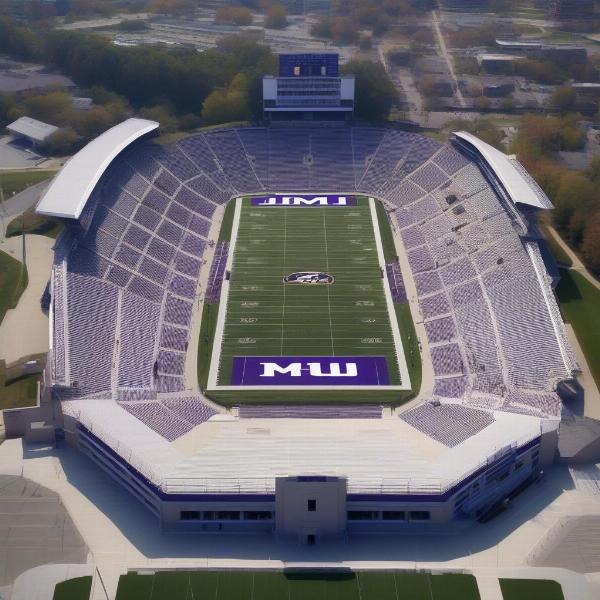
(255, 311)
(284, 286)
(328, 294)
(215, 358)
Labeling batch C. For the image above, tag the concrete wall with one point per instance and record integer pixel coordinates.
(293, 499)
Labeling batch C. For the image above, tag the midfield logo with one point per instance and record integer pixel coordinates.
(309, 370)
(326, 200)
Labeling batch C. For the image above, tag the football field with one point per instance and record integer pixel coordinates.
(346, 315)
(273, 585)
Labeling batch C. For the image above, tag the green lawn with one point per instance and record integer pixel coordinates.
(580, 304)
(13, 182)
(73, 589)
(266, 317)
(31, 222)
(277, 585)
(560, 256)
(19, 392)
(13, 281)
(530, 589)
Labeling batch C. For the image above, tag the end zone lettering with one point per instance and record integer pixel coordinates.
(309, 370)
(323, 200)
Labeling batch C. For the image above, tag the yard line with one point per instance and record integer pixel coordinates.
(327, 286)
(284, 285)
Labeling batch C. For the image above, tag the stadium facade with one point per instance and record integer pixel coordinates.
(139, 256)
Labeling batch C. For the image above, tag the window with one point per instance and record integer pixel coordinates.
(393, 515)
(312, 506)
(228, 515)
(296, 71)
(257, 515)
(419, 515)
(362, 515)
(189, 515)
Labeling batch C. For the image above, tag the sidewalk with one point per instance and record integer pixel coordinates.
(24, 330)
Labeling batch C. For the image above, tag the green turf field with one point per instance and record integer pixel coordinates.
(233, 396)
(73, 589)
(580, 304)
(530, 589)
(266, 317)
(269, 585)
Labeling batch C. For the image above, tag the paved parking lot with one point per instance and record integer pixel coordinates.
(35, 529)
(13, 156)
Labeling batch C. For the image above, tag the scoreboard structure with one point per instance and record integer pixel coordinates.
(308, 87)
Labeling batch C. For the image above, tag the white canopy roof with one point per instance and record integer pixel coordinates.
(519, 185)
(71, 188)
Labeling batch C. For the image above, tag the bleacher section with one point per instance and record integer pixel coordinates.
(125, 285)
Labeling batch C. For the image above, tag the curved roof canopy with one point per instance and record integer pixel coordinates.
(522, 189)
(71, 188)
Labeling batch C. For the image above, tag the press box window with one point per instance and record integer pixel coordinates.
(312, 506)
(393, 515)
(419, 515)
(189, 515)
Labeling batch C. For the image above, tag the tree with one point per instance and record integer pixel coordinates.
(62, 142)
(484, 129)
(590, 245)
(593, 169)
(163, 115)
(375, 93)
(276, 17)
(53, 107)
(234, 15)
(563, 99)
(575, 194)
(540, 136)
(228, 104)
(178, 8)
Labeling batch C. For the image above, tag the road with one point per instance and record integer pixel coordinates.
(404, 82)
(435, 23)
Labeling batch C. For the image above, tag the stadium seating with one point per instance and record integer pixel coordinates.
(353, 411)
(126, 277)
(449, 424)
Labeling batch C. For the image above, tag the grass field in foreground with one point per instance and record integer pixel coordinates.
(530, 589)
(580, 304)
(13, 182)
(13, 281)
(268, 585)
(266, 317)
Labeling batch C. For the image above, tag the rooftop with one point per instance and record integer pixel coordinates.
(227, 454)
(71, 188)
(521, 188)
(33, 129)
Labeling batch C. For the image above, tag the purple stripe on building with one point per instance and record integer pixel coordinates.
(311, 200)
(309, 370)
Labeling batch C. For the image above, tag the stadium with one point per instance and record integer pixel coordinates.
(413, 381)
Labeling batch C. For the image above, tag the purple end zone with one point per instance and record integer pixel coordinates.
(311, 200)
(309, 370)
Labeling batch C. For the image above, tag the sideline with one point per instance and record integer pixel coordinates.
(215, 358)
(405, 383)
